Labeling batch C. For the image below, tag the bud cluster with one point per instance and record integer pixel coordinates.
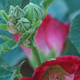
(20, 20)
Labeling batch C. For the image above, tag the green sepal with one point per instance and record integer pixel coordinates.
(51, 54)
(11, 9)
(23, 25)
(4, 37)
(3, 26)
(40, 57)
(47, 3)
(4, 15)
(18, 12)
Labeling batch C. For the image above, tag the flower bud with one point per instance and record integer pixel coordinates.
(18, 12)
(23, 25)
(32, 12)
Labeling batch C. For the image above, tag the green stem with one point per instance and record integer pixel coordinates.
(36, 53)
(18, 74)
(36, 24)
(46, 11)
(26, 45)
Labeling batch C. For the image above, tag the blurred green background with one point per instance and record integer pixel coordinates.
(64, 10)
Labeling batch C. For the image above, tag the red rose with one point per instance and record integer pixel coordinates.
(63, 68)
(51, 33)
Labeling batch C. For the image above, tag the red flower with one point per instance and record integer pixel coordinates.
(51, 33)
(63, 68)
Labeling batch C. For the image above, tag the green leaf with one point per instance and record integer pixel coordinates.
(4, 37)
(9, 45)
(47, 3)
(75, 32)
(71, 50)
(6, 72)
(3, 26)
(4, 15)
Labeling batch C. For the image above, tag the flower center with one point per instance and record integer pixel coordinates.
(56, 72)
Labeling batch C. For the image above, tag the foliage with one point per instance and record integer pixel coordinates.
(47, 3)
(22, 22)
(6, 72)
(75, 32)
(3, 26)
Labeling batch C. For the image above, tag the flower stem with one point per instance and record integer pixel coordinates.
(36, 53)
(46, 11)
(36, 24)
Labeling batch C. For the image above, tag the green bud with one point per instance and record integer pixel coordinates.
(23, 25)
(32, 12)
(18, 12)
(15, 13)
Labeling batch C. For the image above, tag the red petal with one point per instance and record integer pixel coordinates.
(25, 78)
(51, 33)
(77, 75)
